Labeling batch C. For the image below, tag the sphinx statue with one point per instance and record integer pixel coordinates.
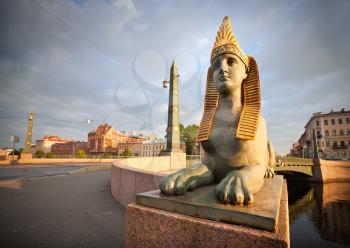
(237, 153)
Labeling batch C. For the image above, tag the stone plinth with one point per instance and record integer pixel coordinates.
(177, 159)
(263, 213)
(151, 227)
(26, 156)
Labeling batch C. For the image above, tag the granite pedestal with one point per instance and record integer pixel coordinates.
(154, 227)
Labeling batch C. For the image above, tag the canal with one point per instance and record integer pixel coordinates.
(319, 214)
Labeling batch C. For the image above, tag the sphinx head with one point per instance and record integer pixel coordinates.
(228, 73)
(230, 69)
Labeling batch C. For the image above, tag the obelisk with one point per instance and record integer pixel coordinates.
(27, 152)
(177, 156)
(173, 129)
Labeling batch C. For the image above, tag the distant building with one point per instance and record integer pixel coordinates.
(332, 135)
(147, 148)
(105, 139)
(151, 148)
(134, 147)
(46, 143)
(4, 154)
(69, 148)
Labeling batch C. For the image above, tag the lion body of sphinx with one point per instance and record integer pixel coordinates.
(223, 152)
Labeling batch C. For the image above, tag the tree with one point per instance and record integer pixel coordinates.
(127, 153)
(188, 135)
(80, 154)
(182, 131)
(191, 132)
(106, 155)
(39, 154)
(14, 152)
(49, 155)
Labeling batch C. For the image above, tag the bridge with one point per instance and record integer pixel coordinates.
(289, 165)
(294, 164)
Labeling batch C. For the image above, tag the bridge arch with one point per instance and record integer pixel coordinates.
(292, 164)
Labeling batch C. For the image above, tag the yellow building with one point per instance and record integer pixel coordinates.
(46, 143)
(105, 139)
(332, 135)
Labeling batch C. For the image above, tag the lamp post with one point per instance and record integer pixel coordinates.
(14, 139)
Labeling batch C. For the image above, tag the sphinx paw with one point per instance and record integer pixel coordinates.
(269, 173)
(233, 189)
(175, 184)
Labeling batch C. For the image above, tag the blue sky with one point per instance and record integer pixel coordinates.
(69, 61)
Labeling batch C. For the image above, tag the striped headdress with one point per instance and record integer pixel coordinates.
(247, 127)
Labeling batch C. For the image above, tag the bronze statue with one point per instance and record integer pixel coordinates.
(233, 136)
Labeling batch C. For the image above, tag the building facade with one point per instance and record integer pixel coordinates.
(46, 143)
(328, 134)
(69, 148)
(147, 148)
(106, 139)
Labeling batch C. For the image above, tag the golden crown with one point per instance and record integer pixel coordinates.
(225, 42)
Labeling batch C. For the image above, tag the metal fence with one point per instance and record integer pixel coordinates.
(103, 156)
(192, 159)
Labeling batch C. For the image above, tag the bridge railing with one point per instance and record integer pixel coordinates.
(293, 164)
(293, 161)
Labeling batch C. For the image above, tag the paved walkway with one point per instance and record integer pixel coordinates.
(42, 170)
(61, 211)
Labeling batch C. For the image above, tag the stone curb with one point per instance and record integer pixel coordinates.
(91, 169)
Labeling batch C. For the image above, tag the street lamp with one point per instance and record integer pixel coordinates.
(14, 139)
(165, 83)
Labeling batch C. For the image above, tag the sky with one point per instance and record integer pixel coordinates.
(70, 61)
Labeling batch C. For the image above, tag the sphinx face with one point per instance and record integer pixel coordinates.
(228, 73)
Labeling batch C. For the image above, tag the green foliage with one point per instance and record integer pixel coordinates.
(127, 153)
(189, 134)
(39, 154)
(106, 155)
(49, 155)
(182, 130)
(80, 154)
(190, 139)
(15, 152)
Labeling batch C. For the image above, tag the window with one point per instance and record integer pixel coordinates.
(334, 133)
(322, 143)
(341, 132)
(318, 134)
(328, 143)
(325, 122)
(340, 121)
(318, 144)
(334, 143)
(349, 142)
(326, 133)
(342, 143)
(347, 120)
(348, 132)
(333, 122)
(317, 123)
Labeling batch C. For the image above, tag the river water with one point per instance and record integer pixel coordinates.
(319, 214)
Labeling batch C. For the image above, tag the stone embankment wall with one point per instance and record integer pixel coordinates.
(133, 176)
(332, 170)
